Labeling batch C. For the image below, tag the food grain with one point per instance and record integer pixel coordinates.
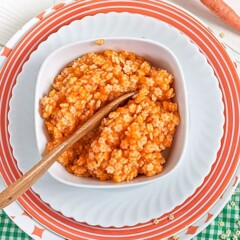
(131, 140)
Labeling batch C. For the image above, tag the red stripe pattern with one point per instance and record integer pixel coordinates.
(214, 184)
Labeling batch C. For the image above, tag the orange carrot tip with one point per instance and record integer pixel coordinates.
(223, 11)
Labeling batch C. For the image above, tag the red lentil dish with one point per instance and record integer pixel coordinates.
(131, 140)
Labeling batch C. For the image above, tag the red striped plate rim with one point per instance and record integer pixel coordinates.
(228, 155)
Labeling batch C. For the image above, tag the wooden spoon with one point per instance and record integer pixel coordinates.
(16, 189)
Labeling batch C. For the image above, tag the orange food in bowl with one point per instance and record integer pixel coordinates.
(131, 140)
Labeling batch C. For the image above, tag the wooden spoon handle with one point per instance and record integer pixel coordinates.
(22, 184)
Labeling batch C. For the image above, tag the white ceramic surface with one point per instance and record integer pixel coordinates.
(14, 13)
(226, 33)
(139, 204)
(28, 224)
(158, 55)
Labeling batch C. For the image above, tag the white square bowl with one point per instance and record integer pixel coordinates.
(159, 56)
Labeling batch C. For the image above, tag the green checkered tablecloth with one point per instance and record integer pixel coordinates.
(225, 226)
(9, 230)
(227, 223)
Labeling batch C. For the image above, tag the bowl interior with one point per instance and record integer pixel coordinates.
(158, 55)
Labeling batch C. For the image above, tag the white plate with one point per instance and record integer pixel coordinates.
(140, 204)
(28, 224)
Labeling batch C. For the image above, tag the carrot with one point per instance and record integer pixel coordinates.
(224, 11)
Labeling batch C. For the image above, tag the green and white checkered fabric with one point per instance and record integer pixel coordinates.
(225, 226)
(9, 230)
